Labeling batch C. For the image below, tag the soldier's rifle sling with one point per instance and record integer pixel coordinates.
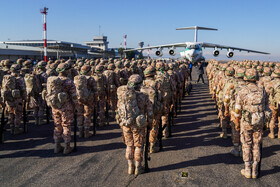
(160, 134)
(146, 151)
(2, 124)
(260, 163)
(24, 117)
(75, 132)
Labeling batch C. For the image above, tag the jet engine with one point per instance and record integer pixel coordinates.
(230, 54)
(159, 53)
(172, 52)
(216, 52)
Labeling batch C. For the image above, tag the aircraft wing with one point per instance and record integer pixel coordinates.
(159, 46)
(209, 45)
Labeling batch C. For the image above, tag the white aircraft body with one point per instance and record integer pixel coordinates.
(193, 50)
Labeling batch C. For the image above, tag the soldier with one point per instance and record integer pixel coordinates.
(27, 67)
(13, 93)
(113, 83)
(135, 112)
(86, 89)
(252, 109)
(166, 87)
(102, 90)
(121, 72)
(153, 89)
(62, 97)
(51, 70)
(274, 101)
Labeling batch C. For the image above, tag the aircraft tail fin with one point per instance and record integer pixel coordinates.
(196, 28)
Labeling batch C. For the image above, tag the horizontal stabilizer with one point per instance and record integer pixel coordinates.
(196, 28)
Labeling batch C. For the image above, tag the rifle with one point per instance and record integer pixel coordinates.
(107, 108)
(160, 134)
(146, 151)
(75, 132)
(94, 120)
(47, 113)
(3, 123)
(260, 163)
(24, 118)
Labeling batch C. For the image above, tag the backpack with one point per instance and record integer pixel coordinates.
(165, 84)
(83, 93)
(110, 76)
(128, 110)
(9, 91)
(99, 78)
(154, 98)
(274, 97)
(56, 97)
(32, 84)
(253, 109)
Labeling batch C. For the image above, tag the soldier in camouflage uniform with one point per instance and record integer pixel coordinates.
(51, 70)
(113, 83)
(251, 112)
(62, 97)
(273, 88)
(13, 93)
(27, 68)
(121, 72)
(151, 82)
(86, 91)
(135, 112)
(102, 90)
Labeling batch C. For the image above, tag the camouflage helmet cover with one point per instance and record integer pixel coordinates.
(251, 75)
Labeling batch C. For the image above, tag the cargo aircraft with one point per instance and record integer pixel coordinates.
(193, 50)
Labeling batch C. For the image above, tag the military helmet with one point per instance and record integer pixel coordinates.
(277, 65)
(127, 64)
(265, 64)
(20, 61)
(229, 71)
(149, 71)
(171, 66)
(160, 66)
(251, 75)
(223, 67)
(276, 73)
(118, 64)
(85, 69)
(271, 64)
(134, 80)
(240, 73)
(99, 68)
(53, 66)
(267, 71)
(255, 64)
(111, 66)
(27, 63)
(260, 69)
(15, 67)
(41, 64)
(62, 67)
(8, 63)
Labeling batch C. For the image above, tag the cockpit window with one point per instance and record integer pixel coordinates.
(193, 46)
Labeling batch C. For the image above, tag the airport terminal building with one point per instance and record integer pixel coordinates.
(56, 49)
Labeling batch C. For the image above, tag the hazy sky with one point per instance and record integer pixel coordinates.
(251, 24)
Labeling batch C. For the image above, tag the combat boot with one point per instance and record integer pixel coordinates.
(271, 134)
(57, 147)
(139, 169)
(18, 130)
(81, 132)
(131, 167)
(235, 151)
(68, 149)
(255, 172)
(247, 171)
(154, 148)
(87, 133)
(224, 134)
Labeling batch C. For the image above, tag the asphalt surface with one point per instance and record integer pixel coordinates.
(195, 148)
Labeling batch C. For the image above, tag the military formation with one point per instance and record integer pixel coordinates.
(247, 96)
(143, 96)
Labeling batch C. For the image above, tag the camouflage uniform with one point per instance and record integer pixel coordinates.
(150, 82)
(102, 90)
(15, 102)
(134, 129)
(122, 73)
(252, 108)
(86, 103)
(63, 111)
(113, 83)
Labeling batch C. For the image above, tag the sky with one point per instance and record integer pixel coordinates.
(250, 24)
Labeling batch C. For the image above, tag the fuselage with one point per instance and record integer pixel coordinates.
(193, 52)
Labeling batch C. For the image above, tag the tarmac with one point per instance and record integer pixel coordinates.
(194, 150)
